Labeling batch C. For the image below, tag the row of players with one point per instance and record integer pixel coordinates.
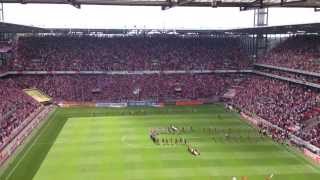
(170, 141)
(217, 134)
(172, 129)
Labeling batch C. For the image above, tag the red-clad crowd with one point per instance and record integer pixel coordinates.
(123, 88)
(15, 106)
(284, 104)
(279, 102)
(313, 135)
(276, 134)
(298, 52)
(128, 53)
(75, 53)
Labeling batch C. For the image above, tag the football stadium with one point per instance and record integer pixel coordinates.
(161, 104)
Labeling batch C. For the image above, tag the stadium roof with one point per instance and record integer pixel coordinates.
(16, 28)
(245, 4)
(146, 31)
(283, 29)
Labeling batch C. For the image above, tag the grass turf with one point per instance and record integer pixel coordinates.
(101, 143)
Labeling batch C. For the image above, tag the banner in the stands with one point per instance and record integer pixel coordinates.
(189, 103)
(157, 105)
(145, 103)
(139, 103)
(114, 105)
(76, 104)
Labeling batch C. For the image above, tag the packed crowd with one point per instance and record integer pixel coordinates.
(283, 104)
(122, 88)
(15, 106)
(289, 106)
(313, 135)
(279, 102)
(274, 133)
(127, 53)
(297, 52)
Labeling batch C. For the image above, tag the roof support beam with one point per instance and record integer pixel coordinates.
(183, 2)
(252, 6)
(169, 6)
(1, 12)
(215, 3)
(288, 2)
(190, 3)
(174, 3)
(74, 3)
(22, 2)
(260, 3)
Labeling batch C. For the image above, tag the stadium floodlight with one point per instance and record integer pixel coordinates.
(74, 3)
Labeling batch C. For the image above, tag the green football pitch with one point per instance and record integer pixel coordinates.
(102, 143)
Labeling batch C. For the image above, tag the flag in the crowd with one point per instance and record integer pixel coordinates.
(136, 91)
(178, 89)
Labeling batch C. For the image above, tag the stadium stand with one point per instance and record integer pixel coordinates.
(286, 105)
(85, 53)
(313, 135)
(15, 107)
(187, 68)
(279, 102)
(296, 52)
(123, 88)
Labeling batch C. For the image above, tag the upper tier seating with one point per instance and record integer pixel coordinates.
(72, 53)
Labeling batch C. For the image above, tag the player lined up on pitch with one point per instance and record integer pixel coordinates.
(218, 135)
(233, 135)
(154, 135)
(155, 132)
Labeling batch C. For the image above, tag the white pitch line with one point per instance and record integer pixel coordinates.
(27, 151)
